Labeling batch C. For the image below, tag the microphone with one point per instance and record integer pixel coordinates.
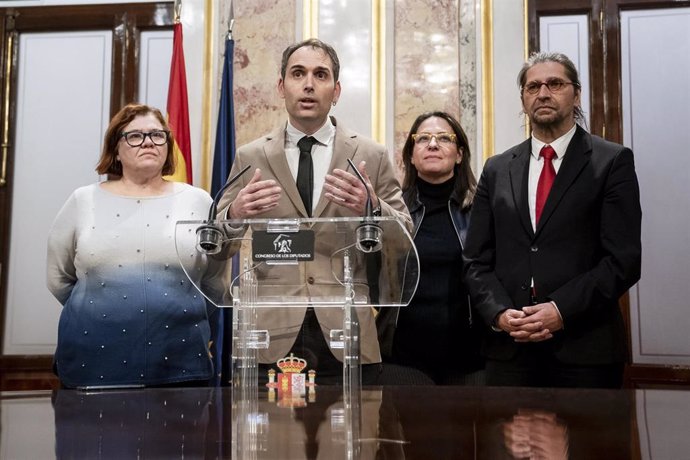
(209, 237)
(368, 232)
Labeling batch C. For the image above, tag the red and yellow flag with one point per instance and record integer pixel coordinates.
(178, 111)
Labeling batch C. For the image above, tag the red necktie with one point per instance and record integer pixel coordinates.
(548, 174)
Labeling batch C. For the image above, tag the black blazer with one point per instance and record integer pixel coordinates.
(584, 254)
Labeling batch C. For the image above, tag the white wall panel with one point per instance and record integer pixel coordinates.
(509, 51)
(662, 423)
(154, 68)
(569, 35)
(656, 109)
(346, 25)
(63, 103)
(27, 429)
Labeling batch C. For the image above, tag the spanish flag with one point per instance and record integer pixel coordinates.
(178, 111)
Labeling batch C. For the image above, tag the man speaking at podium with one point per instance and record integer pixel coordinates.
(300, 171)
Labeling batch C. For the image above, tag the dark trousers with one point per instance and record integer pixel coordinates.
(311, 345)
(536, 366)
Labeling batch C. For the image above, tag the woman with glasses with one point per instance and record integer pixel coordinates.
(436, 333)
(130, 315)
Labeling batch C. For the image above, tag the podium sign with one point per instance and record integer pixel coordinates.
(289, 275)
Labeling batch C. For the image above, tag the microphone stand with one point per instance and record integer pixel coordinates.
(209, 236)
(368, 232)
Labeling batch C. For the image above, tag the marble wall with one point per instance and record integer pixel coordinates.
(262, 29)
(467, 72)
(434, 62)
(426, 62)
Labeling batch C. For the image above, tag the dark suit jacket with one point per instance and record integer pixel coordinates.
(268, 154)
(584, 254)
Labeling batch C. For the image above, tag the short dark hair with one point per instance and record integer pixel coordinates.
(570, 72)
(107, 163)
(465, 182)
(315, 43)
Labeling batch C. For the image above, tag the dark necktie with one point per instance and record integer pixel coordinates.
(548, 174)
(305, 172)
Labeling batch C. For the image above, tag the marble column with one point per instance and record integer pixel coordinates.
(262, 29)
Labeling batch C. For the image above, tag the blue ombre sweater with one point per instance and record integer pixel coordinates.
(131, 315)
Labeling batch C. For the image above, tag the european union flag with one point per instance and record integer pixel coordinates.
(223, 158)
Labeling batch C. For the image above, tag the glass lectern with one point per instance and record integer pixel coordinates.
(354, 265)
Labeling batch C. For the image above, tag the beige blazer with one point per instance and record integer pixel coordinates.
(268, 154)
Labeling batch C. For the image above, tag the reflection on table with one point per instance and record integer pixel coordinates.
(403, 422)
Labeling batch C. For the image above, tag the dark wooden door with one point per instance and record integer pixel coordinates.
(126, 21)
(606, 111)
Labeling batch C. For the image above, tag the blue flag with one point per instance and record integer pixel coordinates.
(225, 130)
(223, 157)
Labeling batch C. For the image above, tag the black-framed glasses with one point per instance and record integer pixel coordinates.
(554, 85)
(423, 139)
(136, 138)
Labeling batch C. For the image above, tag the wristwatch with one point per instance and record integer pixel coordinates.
(376, 212)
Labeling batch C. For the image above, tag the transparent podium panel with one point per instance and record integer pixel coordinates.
(297, 263)
(265, 268)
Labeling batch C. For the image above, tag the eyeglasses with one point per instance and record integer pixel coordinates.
(554, 85)
(136, 138)
(423, 139)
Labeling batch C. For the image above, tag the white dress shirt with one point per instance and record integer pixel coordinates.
(536, 163)
(321, 154)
